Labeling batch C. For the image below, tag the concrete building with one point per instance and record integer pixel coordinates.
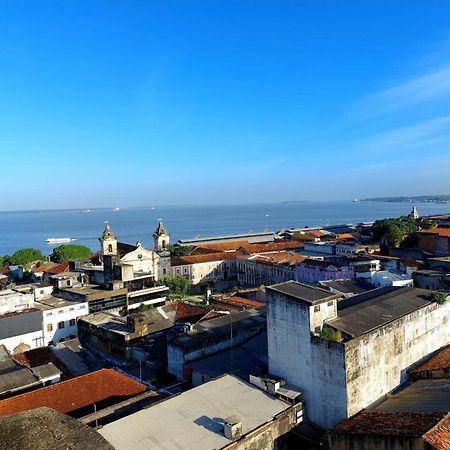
(209, 337)
(13, 300)
(391, 278)
(48, 321)
(267, 268)
(435, 240)
(224, 413)
(138, 336)
(312, 271)
(346, 355)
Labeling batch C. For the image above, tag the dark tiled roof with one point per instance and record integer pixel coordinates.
(40, 356)
(302, 292)
(76, 393)
(123, 249)
(389, 424)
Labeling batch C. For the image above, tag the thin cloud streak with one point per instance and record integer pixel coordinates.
(430, 87)
(431, 132)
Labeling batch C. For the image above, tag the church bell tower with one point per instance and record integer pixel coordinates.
(108, 242)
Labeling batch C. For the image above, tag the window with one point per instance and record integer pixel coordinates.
(61, 325)
(110, 248)
(72, 322)
(316, 308)
(330, 303)
(164, 271)
(68, 282)
(49, 327)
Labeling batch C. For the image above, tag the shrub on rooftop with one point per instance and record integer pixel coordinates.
(438, 297)
(330, 334)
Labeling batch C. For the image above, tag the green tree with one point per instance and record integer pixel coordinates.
(6, 261)
(70, 252)
(25, 255)
(395, 231)
(438, 297)
(181, 250)
(177, 285)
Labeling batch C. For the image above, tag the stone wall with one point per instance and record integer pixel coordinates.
(377, 362)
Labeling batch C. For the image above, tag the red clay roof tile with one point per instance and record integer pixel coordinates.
(76, 393)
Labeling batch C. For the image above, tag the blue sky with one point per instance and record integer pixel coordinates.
(106, 103)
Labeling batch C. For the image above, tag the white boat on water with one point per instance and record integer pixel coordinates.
(86, 211)
(116, 209)
(59, 240)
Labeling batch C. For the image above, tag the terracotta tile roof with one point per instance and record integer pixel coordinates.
(39, 357)
(281, 258)
(345, 237)
(209, 257)
(443, 232)
(68, 396)
(222, 246)
(439, 436)
(59, 268)
(273, 247)
(5, 271)
(240, 301)
(185, 311)
(440, 360)
(393, 424)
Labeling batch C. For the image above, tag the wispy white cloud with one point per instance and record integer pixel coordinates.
(431, 86)
(426, 134)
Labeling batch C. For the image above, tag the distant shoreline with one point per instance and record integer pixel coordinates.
(438, 199)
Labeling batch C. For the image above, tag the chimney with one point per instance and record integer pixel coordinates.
(232, 428)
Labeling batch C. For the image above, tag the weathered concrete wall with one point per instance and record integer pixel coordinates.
(356, 442)
(312, 364)
(377, 362)
(178, 356)
(270, 435)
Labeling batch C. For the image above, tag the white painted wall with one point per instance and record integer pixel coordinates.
(11, 301)
(315, 366)
(34, 340)
(64, 314)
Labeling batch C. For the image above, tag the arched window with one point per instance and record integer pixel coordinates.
(164, 271)
(110, 248)
(164, 243)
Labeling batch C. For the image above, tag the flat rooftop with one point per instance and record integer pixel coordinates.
(302, 292)
(52, 302)
(194, 419)
(221, 326)
(365, 312)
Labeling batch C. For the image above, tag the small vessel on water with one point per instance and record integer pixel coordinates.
(116, 209)
(64, 240)
(86, 211)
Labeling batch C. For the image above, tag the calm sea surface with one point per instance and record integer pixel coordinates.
(32, 228)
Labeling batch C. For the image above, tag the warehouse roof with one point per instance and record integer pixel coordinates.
(194, 419)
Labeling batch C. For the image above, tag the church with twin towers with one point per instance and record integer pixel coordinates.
(127, 263)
